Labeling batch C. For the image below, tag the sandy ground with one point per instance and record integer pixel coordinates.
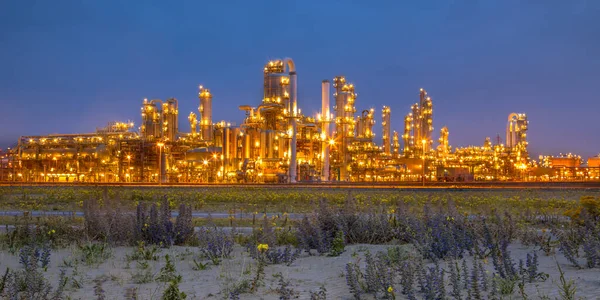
(306, 274)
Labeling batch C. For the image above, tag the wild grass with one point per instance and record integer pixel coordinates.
(455, 247)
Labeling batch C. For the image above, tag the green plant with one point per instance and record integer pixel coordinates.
(3, 280)
(321, 294)
(168, 272)
(144, 252)
(338, 245)
(172, 292)
(397, 254)
(284, 290)
(98, 290)
(142, 276)
(94, 253)
(143, 265)
(198, 265)
(567, 288)
(131, 293)
(506, 286)
(258, 278)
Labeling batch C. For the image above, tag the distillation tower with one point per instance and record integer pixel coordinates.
(418, 126)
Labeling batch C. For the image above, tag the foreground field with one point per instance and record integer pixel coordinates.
(119, 277)
(280, 200)
(382, 244)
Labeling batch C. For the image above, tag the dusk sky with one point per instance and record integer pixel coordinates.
(72, 66)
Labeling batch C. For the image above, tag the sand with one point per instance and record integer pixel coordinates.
(306, 274)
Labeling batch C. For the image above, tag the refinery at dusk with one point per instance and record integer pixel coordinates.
(299, 150)
(272, 141)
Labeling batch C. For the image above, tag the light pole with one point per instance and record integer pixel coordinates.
(215, 162)
(423, 141)
(206, 169)
(223, 166)
(128, 167)
(160, 145)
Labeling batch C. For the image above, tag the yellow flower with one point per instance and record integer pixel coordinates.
(262, 247)
(390, 289)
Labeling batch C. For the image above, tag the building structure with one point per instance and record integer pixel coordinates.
(276, 142)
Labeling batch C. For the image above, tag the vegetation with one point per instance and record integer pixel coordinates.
(438, 245)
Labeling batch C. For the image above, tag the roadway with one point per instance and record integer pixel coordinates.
(338, 185)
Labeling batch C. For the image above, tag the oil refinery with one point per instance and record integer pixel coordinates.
(276, 143)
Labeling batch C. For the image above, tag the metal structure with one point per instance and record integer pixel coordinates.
(275, 143)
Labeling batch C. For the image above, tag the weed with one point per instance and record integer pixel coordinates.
(29, 282)
(272, 256)
(172, 292)
(321, 294)
(338, 244)
(98, 290)
(142, 276)
(143, 252)
(284, 290)
(167, 272)
(94, 253)
(131, 293)
(198, 265)
(215, 244)
(566, 288)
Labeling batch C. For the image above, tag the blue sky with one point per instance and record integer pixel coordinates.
(72, 66)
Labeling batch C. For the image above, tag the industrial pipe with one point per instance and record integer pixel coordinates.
(325, 113)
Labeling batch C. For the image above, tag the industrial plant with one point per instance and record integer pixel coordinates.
(276, 143)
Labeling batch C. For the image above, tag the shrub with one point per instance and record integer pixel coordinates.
(376, 279)
(155, 226)
(275, 255)
(143, 252)
(53, 231)
(321, 294)
(108, 223)
(587, 205)
(172, 292)
(29, 282)
(312, 236)
(167, 272)
(94, 253)
(283, 289)
(338, 244)
(184, 227)
(215, 244)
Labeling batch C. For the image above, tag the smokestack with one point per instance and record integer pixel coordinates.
(325, 115)
(293, 99)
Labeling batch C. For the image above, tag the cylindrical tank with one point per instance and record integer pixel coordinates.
(387, 130)
(247, 145)
(270, 144)
(226, 148)
(151, 120)
(396, 145)
(193, 124)
(406, 137)
(170, 119)
(263, 144)
(205, 113)
(281, 148)
(293, 100)
(275, 83)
